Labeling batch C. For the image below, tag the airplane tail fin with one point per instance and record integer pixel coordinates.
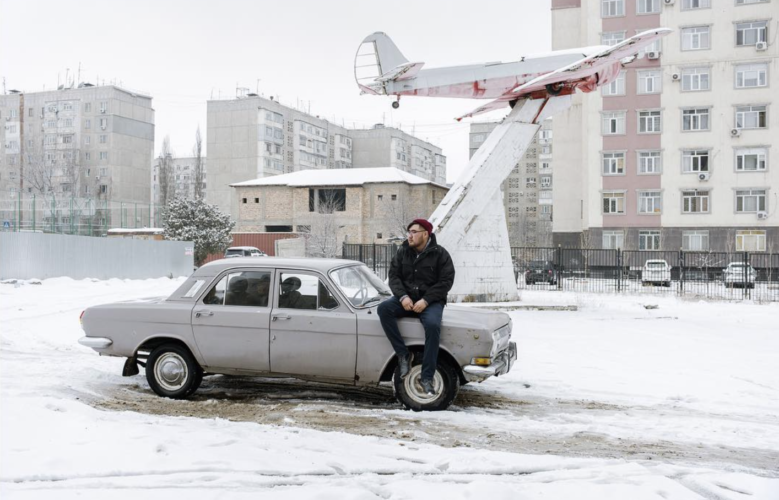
(376, 58)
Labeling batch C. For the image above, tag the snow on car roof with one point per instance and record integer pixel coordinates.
(338, 177)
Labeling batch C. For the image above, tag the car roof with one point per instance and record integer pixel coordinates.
(656, 260)
(243, 248)
(306, 263)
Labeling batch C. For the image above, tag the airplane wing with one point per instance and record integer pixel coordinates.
(586, 74)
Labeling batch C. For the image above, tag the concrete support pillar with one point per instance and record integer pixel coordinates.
(470, 221)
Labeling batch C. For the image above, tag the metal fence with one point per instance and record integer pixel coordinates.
(79, 216)
(754, 275)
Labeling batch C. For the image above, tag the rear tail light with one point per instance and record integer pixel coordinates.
(81, 317)
(550, 271)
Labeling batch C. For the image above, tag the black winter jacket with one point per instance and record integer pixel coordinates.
(429, 276)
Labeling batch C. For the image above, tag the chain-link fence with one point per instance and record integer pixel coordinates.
(716, 275)
(81, 216)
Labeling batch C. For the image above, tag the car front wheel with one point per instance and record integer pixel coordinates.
(172, 372)
(411, 395)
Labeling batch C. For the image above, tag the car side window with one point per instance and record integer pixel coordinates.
(216, 295)
(304, 291)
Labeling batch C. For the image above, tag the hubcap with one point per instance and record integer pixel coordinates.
(413, 386)
(171, 372)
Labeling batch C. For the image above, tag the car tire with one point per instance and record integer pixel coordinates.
(409, 393)
(172, 372)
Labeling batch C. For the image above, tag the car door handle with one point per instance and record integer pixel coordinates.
(203, 313)
(280, 316)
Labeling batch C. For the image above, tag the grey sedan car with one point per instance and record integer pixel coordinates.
(311, 319)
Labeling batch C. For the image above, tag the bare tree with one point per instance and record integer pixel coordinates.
(55, 174)
(197, 152)
(322, 239)
(165, 174)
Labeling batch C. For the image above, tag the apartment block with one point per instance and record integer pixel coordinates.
(252, 137)
(679, 151)
(390, 147)
(182, 178)
(88, 142)
(527, 192)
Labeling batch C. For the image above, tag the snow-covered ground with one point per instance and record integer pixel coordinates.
(611, 401)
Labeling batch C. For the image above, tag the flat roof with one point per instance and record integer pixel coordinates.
(339, 177)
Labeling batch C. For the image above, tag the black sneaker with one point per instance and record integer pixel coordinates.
(405, 365)
(428, 387)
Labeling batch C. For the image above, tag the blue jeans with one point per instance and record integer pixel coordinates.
(391, 309)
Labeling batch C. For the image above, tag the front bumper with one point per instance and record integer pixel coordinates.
(95, 342)
(500, 366)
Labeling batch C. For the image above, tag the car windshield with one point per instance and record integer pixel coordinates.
(360, 285)
(234, 252)
(656, 264)
(538, 264)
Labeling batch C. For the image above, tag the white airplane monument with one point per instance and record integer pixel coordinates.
(470, 222)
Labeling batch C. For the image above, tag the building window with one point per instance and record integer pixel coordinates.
(612, 8)
(695, 160)
(613, 123)
(746, 2)
(696, 38)
(650, 162)
(87, 107)
(695, 119)
(326, 201)
(751, 159)
(67, 139)
(649, 122)
(87, 155)
(695, 202)
(103, 107)
(650, 82)
(612, 37)
(750, 241)
(103, 189)
(612, 240)
(751, 75)
(648, 6)
(613, 202)
(750, 33)
(650, 202)
(546, 181)
(103, 155)
(243, 200)
(103, 139)
(615, 87)
(613, 163)
(649, 240)
(750, 201)
(751, 116)
(394, 197)
(695, 79)
(695, 241)
(695, 4)
(379, 236)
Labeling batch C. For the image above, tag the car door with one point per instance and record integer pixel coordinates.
(312, 332)
(231, 321)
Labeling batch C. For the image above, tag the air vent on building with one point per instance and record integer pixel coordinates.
(703, 176)
(762, 215)
(653, 54)
(735, 132)
(668, 2)
(761, 46)
(676, 77)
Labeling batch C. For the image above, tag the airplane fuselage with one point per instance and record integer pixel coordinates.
(478, 81)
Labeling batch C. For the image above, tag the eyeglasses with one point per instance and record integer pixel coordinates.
(413, 232)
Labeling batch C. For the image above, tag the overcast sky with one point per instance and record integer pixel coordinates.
(184, 52)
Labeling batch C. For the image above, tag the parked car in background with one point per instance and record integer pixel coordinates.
(244, 252)
(540, 271)
(656, 272)
(311, 319)
(739, 274)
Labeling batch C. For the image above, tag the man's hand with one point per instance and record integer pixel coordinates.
(407, 303)
(420, 306)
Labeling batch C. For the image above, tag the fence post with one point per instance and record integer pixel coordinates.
(360, 254)
(619, 269)
(558, 266)
(33, 213)
(747, 285)
(374, 257)
(681, 271)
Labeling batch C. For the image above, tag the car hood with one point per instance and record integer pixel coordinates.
(474, 317)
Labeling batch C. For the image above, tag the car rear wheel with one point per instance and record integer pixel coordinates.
(411, 395)
(172, 372)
